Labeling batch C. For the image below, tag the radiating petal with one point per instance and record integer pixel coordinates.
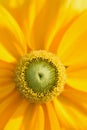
(51, 120)
(77, 76)
(65, 119)
(53, 46)
(5, 55)
(6, 90)
(8, 107)
(6, 73)
(11, 37)
(12, 3)
(73, 47)
(7, 84)
(7, 66)
(33, 118)
(71, 109)
(16, 119)
(25, 12)
(70, 11)
(77, 97)
(44, 27)
(37, 123)
(60, 14)
(39, 29)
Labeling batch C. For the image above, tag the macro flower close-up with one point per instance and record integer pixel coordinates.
(43, 64)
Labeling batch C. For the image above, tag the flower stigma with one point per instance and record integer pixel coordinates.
(40, 76)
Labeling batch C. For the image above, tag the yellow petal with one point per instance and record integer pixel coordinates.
(16, 119)
(77, 97)
(73, 47)
(6, 69)
(11, 37)
(75, 104)
(6, 73)
(65, 119)
(12, 3)
(38, 123)
(33, 118)
(7, 66)
(5, 55)
(77, 77)
(39, 29)
(65, 13)
(45, 22)
(59, 35)
(51, 120)
(8, 107)
(53, 16)
(25, 12)
(6, 90)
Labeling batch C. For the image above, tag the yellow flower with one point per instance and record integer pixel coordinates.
(57, 26)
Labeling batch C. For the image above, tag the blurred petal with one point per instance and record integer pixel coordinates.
(6, 73)
(37, 123)
(11, 37)
(65, 119)
(8, 107)
(59, 35)
(53, 16)
(5, 55)
(7, 85)
(44, 25)
(6, 90)
(33, 118)
(12, 3)
(71, 109)
(16, 119)
(7, 66)
(73, 47)
(39, 29)
(51, 120)
(25, 18)
(77, 76)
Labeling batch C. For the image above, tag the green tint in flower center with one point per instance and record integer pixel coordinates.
(40, 76)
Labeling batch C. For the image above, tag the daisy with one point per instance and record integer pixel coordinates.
(43, 65)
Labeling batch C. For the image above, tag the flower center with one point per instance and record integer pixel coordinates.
(40, 76)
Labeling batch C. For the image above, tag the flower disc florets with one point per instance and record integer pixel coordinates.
(40, 76)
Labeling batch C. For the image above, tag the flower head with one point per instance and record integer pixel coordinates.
(43, 65)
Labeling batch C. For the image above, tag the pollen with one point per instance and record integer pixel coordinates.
(40, 76)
